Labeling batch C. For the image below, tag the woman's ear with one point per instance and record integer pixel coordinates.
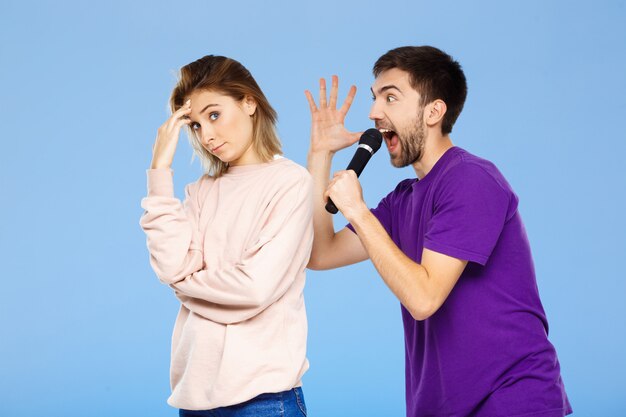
(434, 112)
(249, 105)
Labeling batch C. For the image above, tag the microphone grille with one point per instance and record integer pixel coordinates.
(372, 138)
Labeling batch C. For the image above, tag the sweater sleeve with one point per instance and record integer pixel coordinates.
(171, 227)
(267, 268)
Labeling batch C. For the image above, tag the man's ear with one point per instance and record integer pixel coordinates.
(434, 112)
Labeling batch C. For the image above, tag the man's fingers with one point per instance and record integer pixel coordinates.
(322, 92)
(354, 137)
(331, 184)
(327, 192)
(333, 92)
(348, 101)
(311, 100)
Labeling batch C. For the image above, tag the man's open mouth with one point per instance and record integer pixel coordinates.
(391, 139)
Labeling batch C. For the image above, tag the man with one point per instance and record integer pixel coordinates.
(450, 244)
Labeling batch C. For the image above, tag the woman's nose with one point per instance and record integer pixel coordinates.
(207, 135)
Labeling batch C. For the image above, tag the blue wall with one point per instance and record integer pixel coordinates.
(84, 86)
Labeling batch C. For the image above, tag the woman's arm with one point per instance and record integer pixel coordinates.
(171, 228)
(267, 268)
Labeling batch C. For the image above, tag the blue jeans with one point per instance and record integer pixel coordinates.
(280, 404)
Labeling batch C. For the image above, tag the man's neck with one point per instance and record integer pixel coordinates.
(434, 148)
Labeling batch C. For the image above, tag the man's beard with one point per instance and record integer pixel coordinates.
(411, 143)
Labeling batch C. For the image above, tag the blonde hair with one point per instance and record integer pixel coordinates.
(228, 77)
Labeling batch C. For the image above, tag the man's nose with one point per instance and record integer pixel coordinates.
(375, 113)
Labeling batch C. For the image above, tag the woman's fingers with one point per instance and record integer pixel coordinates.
(183, 111)
(167, 137)
(180, 115)
(182, 121)
(171, 128)
(185, 108)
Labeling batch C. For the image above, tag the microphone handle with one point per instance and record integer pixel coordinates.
(331, 207)
(359, 160)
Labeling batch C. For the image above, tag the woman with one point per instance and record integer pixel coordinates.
(234, 252)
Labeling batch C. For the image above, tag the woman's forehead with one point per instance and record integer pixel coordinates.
(210, 96)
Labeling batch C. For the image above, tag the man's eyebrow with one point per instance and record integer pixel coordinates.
(385, 88)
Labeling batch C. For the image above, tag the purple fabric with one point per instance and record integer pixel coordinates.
(485, 352)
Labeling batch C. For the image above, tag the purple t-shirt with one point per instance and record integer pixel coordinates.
(485, 352)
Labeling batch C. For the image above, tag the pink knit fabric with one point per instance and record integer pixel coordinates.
(235, 253)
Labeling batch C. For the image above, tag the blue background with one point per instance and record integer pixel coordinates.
(84, 86)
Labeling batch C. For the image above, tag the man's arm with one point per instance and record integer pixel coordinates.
(330, 249)
(328, 135)
(421, 288)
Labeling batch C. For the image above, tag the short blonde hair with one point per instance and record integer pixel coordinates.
(227, 76)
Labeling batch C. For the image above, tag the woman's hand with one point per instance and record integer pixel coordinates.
(328, 133)
(167, 137)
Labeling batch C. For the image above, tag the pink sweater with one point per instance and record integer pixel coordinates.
(235, 253)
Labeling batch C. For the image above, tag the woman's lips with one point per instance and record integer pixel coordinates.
(217, 148)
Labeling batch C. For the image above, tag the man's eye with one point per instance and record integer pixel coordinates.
(373, 98)
(194, 126)
(214, 116)
(390, 99)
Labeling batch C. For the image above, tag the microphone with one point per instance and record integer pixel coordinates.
(369, 143)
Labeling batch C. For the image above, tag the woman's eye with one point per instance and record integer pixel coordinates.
(214, 116)
(195, 126)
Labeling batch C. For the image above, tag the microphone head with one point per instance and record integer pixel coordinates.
(372, 138)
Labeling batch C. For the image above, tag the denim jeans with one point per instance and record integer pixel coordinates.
(280, 404)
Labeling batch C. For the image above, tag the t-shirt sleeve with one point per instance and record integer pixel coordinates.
(470, 209)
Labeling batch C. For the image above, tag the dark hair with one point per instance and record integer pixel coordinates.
(433, 73)
(229, 77)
